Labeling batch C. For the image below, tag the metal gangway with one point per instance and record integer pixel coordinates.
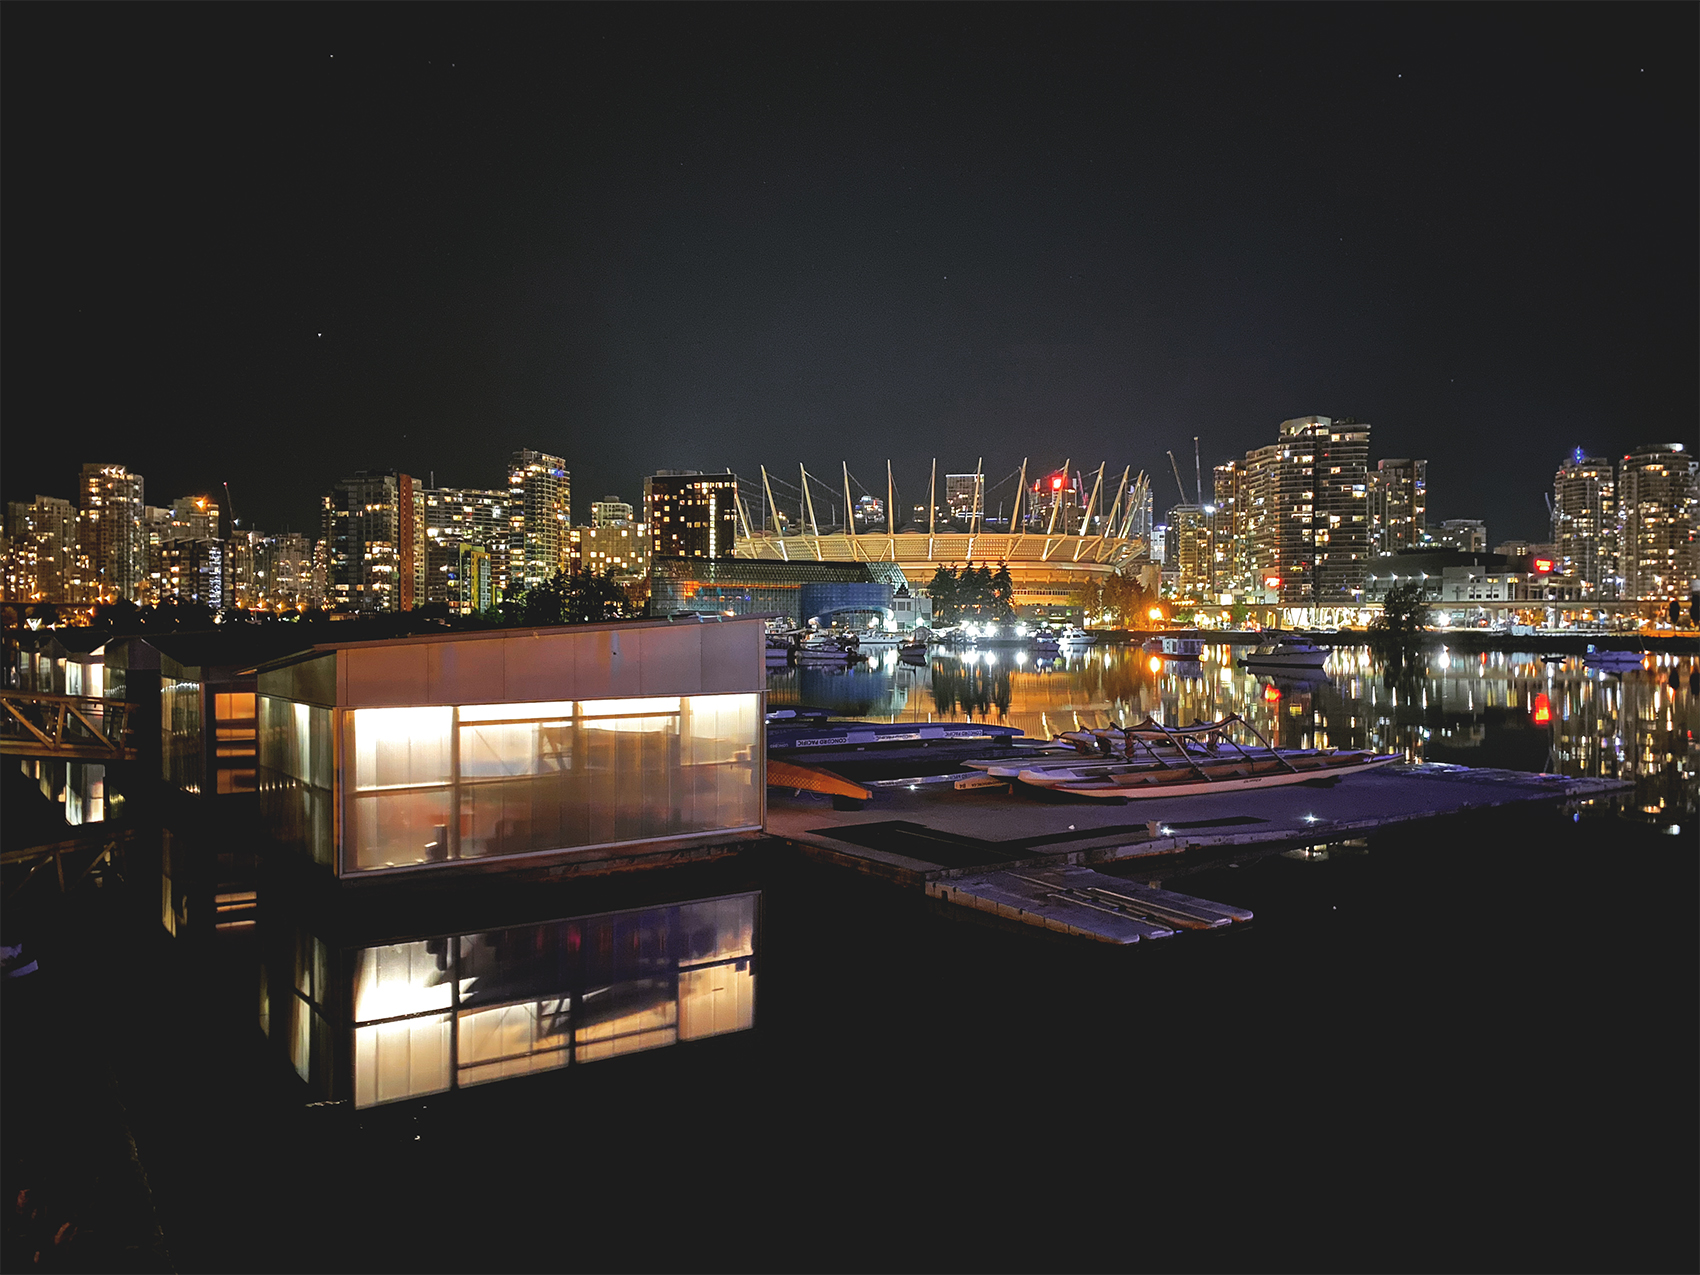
(72, 727)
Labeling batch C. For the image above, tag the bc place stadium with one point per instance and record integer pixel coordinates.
(1051, 530)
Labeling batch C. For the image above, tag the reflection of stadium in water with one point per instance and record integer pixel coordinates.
(1476, 710)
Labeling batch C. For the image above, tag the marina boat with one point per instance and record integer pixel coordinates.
(878, 640)
(785, 736)
(1072, 636)
(826, 655)
(1190, 647)
(1196, 777)
(1204, 757)
(1286, 650)
(1614, 661)
(1044, 644)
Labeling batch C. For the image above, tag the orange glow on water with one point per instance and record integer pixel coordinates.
(1541, 710)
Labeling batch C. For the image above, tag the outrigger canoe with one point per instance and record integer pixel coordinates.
(1143, 780)
(1178, 760)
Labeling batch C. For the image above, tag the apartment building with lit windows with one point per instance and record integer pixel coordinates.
(691, 514)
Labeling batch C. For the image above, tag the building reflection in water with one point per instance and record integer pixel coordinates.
(1476, 709)
(383, 1023)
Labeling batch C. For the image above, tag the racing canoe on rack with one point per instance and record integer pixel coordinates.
(1182, 781)
(1204, 757)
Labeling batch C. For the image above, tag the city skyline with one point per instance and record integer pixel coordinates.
(728, 237)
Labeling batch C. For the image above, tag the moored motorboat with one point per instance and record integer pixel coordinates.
(1287, 650)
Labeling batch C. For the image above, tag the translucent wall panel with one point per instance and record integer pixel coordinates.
(474, 1008)
(400, 747)
(294, 779)
(394, 829)
(717, 929)
(406, 1059)
(403, 978)
(501, 750)
(512, 1040)
(626, 1019)
(180, 731)
(432, 784)
(721, 780)
(717, 999)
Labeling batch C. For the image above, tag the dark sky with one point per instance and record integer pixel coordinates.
(272, 245)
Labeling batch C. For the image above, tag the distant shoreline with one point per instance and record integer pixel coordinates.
(1560, 641)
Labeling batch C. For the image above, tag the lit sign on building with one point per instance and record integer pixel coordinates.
(1543, 566)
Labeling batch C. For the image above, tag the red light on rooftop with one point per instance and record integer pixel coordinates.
(1056, 484)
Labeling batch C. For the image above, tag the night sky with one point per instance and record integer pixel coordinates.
(274, 245)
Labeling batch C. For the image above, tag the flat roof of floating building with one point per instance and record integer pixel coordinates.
(618, 658)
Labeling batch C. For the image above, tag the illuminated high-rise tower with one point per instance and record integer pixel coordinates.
(109, 531)
(1659, 495)
(539, 517)
(1398, 505)
(1585, 523)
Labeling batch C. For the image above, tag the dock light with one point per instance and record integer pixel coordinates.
(1155, 613)
(1310, 818)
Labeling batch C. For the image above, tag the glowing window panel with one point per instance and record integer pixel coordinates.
(516, 712)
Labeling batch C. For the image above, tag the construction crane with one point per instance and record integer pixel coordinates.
(1178, 483)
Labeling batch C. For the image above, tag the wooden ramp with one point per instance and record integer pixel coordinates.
(1073, 900)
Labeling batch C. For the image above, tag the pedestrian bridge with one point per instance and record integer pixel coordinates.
(72, 727)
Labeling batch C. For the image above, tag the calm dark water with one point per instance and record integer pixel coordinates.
(1500, 710)
(1469, 1043)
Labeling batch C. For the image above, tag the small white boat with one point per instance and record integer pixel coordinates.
(1072, 636)
(1185, 648)
(1287, 651)
(878, 640)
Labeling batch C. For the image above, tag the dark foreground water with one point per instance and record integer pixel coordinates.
(1470, 1043)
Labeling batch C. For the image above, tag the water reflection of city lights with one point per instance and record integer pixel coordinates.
(1155, 664)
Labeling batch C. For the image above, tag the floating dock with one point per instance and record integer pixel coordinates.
(1086, 903)
(1030, 858)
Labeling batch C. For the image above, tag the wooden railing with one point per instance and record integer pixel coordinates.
(78, 727)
